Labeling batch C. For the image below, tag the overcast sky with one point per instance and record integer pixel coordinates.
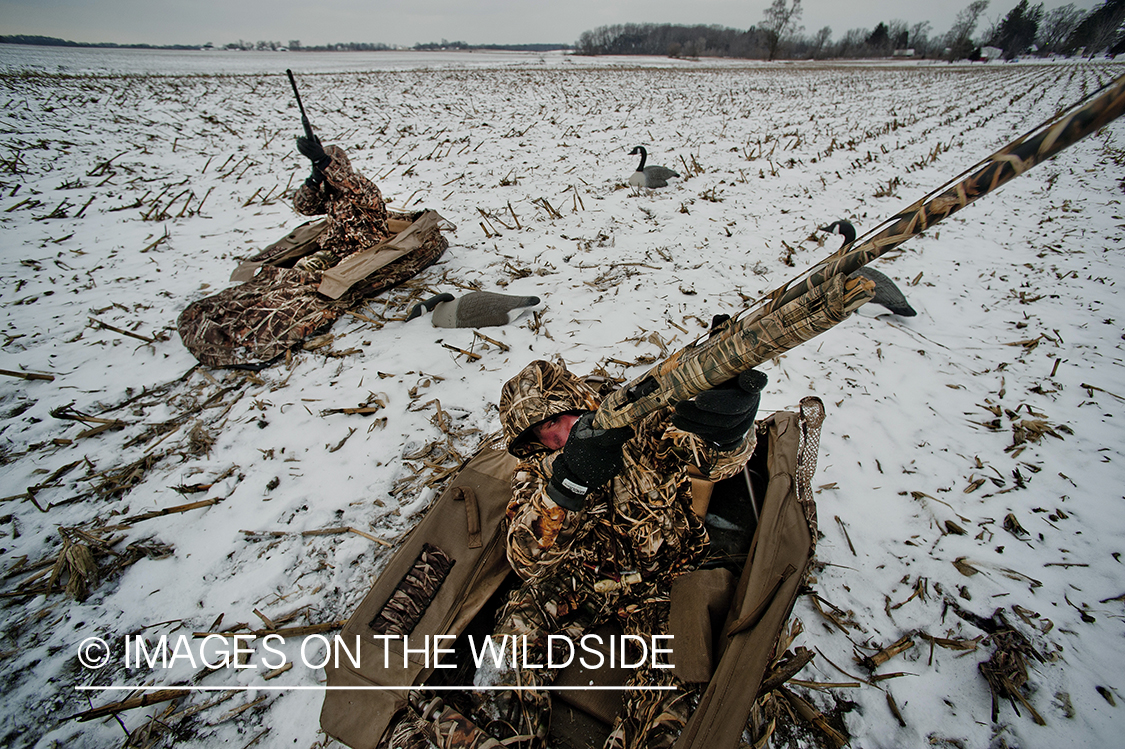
(406, 22)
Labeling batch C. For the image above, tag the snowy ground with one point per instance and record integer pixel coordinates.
(972, 457)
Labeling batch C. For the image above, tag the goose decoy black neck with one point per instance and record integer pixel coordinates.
(644, 155)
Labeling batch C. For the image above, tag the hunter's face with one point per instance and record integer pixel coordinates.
(554, 432)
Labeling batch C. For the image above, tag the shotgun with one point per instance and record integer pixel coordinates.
(304, 118)
(825, 295)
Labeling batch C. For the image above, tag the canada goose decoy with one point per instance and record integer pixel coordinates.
(649, 176)
(477, 309)
(886, 293)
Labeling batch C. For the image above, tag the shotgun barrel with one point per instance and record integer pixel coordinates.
(1032, 148)
(825, 295)
(304, 118)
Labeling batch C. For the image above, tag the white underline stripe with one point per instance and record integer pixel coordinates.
(470, 688)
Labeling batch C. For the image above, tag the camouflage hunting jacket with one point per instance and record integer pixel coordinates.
(357, 217)
(641, 523)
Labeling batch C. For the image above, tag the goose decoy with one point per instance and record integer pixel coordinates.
(477, 309)
(886, 293)
(649, 176)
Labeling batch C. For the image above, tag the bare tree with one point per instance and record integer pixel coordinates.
(920, 38)
(819, 40)
(989, 30)
(1057, 26)
(853, 43)
(782, 19)
(960, 37)
(899, 34)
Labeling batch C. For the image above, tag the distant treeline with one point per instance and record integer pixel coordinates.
(293, 45)
(1025, 30)
(50, 41)
(672, 40)
(443, 44)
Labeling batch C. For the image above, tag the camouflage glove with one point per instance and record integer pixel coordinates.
(723, 415)
(589, 459)
(311, 149)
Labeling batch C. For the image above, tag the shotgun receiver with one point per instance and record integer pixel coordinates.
(823, 296)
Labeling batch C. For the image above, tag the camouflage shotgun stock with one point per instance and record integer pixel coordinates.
(823, 296)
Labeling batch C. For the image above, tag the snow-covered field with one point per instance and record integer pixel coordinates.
(973, 459)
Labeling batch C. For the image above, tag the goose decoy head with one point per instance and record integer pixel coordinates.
(428, 305)
(843, 228)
